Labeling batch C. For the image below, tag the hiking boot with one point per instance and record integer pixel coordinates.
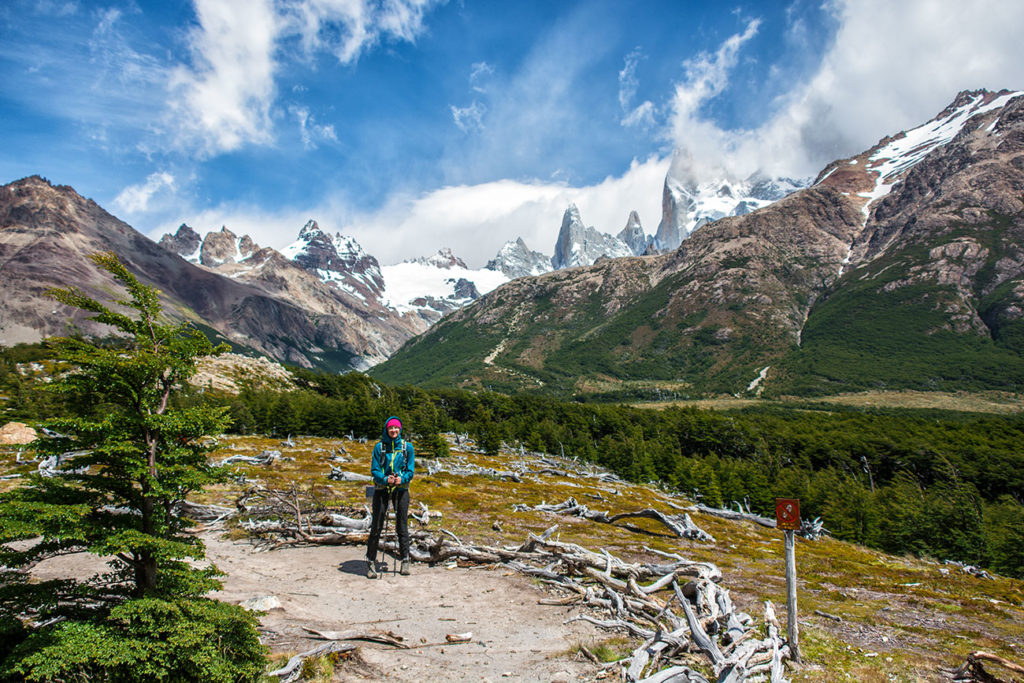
(404, 571)
(371, 571)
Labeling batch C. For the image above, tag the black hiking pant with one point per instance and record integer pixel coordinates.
(399, 499)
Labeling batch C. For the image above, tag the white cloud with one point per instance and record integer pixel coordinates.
(349, 27)
(309, 130)
(476, 220)
(643, 116)
(136, 198)
(470, 118)
(480, 73)
(891, 66)
(706, 77)
(223, 99)
(628, 82)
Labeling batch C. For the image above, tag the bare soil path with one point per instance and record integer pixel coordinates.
(325, 588)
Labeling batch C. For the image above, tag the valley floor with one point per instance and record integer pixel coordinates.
(1000, 403)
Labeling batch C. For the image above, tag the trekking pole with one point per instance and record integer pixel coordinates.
(394, 558)
(384, 533)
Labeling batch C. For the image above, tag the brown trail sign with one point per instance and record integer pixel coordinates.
(787, 518)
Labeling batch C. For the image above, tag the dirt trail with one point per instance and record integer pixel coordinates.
(325, 588)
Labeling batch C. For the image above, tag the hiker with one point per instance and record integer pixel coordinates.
(393, 463)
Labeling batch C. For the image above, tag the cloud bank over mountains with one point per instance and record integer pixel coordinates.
(417, 124)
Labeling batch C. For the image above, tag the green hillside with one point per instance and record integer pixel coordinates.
(876, 331)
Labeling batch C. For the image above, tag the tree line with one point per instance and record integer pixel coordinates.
(933, 483)
(937, 483)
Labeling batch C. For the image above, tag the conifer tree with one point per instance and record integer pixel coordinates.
(136, 457)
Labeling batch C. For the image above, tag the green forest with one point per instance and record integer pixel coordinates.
(931, 483)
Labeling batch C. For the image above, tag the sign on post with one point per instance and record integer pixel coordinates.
(787, 514)
(787, 518)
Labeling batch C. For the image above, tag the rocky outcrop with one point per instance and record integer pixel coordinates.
(185, 243)
(582, 246)
(225, 246)
(16, 433)
(676, 205)
(633, 235)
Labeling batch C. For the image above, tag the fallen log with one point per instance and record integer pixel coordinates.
(972, 670)
(733, 515)
(680, 525)
(375, 636)
(202, 513)
(263, 458)
(338, 474)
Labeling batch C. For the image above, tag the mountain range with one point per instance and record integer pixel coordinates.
(319, 302)
(902, 266)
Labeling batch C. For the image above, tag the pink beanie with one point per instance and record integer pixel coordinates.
(393, 421)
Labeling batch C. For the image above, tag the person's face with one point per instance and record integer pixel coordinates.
(393, 431)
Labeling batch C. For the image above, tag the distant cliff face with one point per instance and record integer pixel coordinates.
(902, 266)
(579, 245)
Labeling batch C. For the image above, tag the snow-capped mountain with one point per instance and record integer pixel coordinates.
(688, 202)
(516, 260)
(444, 259)
(889, 160)
(583, 246)
(337, 260)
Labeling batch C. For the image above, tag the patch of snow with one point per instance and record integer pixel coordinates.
(404, 282)
(757, 380)
(893, 159)
(194, 256)
(845, 262)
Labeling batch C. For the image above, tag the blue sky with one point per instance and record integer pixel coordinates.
(414, 125)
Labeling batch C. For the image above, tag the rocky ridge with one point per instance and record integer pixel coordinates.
(262, 302)
(925, 229)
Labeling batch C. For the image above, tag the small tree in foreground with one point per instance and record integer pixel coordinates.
(135, 458)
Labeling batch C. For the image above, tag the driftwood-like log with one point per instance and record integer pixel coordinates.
(972, 671)
(374, 636)
(680, 525)
(733, 515)
(264, 458)
(338, 474)
(203, 513)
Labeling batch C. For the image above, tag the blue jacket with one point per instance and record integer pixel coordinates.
(392, 457)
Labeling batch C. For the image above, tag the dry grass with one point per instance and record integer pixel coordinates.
(903, 619)
(997, 402)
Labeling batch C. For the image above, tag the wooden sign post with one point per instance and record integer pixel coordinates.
(787, 518)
